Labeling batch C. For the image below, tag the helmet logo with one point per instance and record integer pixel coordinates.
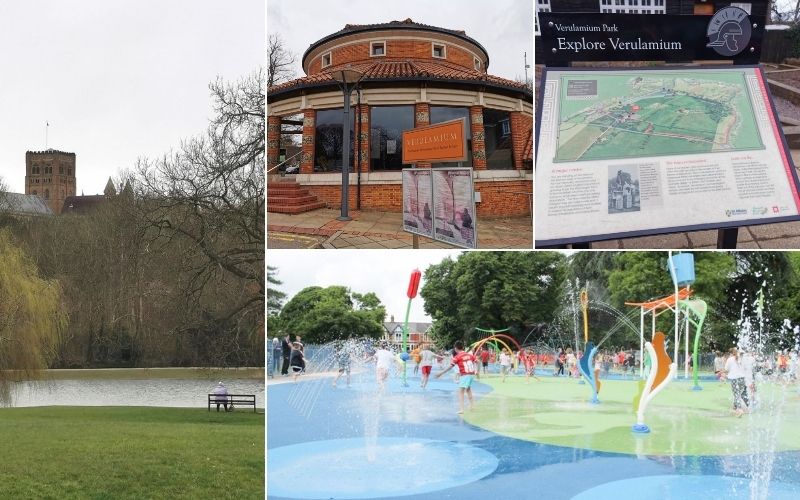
(729, 31)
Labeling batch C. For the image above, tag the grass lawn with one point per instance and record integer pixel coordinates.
(130, 452)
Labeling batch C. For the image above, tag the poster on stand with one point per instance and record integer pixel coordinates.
(625, 153)
(454, 212)
(418, 201)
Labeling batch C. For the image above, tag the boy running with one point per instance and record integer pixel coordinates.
(466, 363)
(426, 362)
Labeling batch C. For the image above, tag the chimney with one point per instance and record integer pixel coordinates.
(391, 318)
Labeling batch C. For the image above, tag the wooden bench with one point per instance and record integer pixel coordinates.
(232, 400)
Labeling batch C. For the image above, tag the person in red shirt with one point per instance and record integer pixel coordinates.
(529, 358)
(467, 370)
(485, 355)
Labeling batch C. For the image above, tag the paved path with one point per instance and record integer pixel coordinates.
(380, 230)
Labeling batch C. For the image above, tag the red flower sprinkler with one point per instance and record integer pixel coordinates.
(413, 287)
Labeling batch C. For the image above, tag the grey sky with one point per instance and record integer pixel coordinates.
(503, 27)
(385, 272)
(116, 79)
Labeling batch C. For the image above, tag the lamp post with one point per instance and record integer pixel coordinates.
(348, 79)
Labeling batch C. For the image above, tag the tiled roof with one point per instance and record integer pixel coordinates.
(407, 24)
(82, 204)
(23, 204)
(401, 70)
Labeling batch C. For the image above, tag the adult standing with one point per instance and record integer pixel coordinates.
(286, 351)
(276, 354)
(736, 373)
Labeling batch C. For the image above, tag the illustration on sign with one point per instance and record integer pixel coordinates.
(729, 31)
(624, 152)
(624, 116)
(418, 201)
(454, 220)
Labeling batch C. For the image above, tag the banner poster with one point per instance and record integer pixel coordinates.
(454, 213)
(418, 201)
(648, 151)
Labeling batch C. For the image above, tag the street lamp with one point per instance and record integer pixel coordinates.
(348, 79)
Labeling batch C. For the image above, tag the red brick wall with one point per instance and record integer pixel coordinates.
(498, 198)
(478, 137)
(422, 118)
(364, 157)
(395, 50)
(521, 126)
(273, 140)
(309, 135)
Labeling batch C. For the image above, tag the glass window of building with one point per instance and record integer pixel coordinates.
(378, 49)
(387, 124)
(328, 144)
(439, 51)
(441, 114)
(497, 139)
(477, 64)
(326, 60)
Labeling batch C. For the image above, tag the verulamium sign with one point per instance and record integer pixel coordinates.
(440, 143)
(628, 152)
(439, 203)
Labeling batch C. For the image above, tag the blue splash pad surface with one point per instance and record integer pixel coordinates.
(676, 487)
(357, 468)
(544, 471)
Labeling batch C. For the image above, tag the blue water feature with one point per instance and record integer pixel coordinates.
(420, 422)
(676, 486)
(343, 468)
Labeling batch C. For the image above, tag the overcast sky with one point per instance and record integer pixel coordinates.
(385, 272)
(503, 27)
(116, 79)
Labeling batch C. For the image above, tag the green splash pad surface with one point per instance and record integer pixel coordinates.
(682, 422)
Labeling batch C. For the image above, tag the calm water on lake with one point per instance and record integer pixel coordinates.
(160, 392)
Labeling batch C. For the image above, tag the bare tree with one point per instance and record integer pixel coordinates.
(210, 194)
(279, 61)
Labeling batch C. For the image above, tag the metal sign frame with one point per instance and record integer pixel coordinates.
(723, 226)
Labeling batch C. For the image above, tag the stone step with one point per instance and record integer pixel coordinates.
(294, 209)
(292, 200)
(286, 191)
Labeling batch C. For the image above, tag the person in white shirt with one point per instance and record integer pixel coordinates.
(505, 363)
(384, 359)
(426, 362)
(736, 374)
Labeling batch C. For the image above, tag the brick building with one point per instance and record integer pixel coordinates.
(50, 175)
(418, 333)
(414, 75)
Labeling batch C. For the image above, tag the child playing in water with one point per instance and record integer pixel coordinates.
(426, 362)
(467, 368)
(530, 365)
(384, 358)
(505, 363)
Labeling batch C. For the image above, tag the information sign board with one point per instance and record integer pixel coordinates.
(625, 152)
(418, 201)
(454, 201)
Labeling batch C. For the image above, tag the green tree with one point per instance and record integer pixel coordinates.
(323, 315)
(516, 290)
(31, 317)
(275, 297)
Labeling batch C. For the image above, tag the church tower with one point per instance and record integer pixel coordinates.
(50, 175)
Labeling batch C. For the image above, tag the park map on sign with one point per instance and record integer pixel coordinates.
(638, 115)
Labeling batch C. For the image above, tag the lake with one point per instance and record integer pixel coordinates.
(184, 393)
